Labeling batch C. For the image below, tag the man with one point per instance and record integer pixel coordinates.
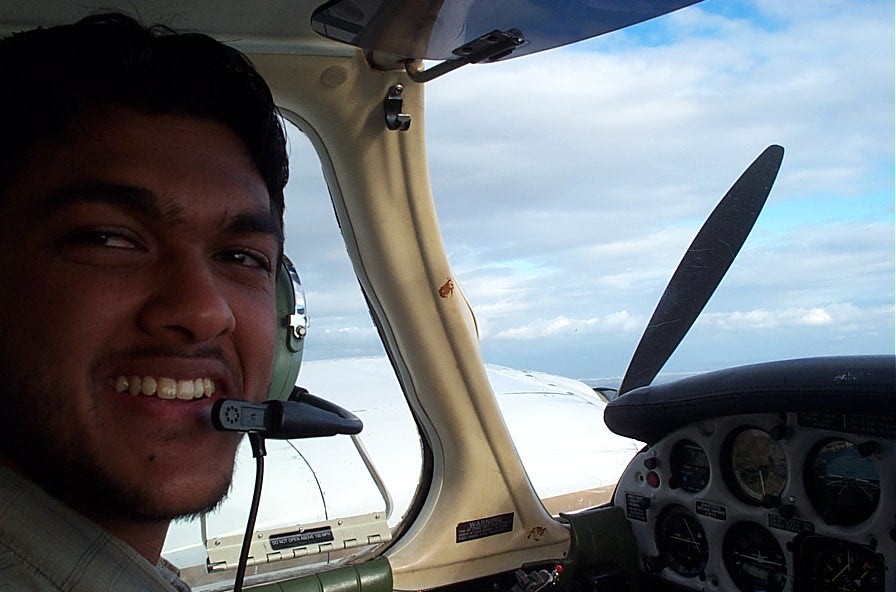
(141, 202)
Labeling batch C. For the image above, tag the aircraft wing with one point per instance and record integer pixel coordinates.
(572, 463)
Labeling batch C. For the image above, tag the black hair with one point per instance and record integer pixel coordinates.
(49, 78)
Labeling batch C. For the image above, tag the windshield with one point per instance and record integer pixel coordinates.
(569, 185)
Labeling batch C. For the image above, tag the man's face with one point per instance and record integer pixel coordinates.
(137, 263)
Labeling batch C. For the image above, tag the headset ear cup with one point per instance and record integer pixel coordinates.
(292, 324)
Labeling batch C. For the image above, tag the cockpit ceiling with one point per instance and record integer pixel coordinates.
(272, 26)
(445, 29)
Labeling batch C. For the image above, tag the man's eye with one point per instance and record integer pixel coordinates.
(247, 258)
(102, 238)
(103, 247)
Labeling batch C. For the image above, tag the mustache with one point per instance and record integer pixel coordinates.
(154, 352)
(213, 352)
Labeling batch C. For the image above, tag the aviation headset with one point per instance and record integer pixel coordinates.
(289, 411)
(292, 325)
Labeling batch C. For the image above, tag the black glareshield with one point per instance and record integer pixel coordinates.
(302, 416)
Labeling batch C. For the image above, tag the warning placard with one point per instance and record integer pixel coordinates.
(484, 527)
(301, 538)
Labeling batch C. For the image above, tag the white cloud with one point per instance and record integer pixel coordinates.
(661, 123)
(618, 322)
(843, 315)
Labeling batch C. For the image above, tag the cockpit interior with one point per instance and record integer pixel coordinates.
(772, 477)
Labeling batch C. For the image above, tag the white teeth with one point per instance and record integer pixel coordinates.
(149, 386)
(121, 384)
(165, 388)
(185, 389)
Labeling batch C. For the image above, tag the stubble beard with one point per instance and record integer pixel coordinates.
(29, 439)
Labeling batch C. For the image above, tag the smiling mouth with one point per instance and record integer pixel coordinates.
(165, 388)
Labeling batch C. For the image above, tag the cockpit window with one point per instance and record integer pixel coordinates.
(345, 361)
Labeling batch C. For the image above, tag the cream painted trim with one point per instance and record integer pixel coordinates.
(381, 193)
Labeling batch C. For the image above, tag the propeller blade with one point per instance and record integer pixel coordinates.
(702, 268)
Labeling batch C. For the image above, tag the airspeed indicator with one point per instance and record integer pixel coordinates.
(755, 467)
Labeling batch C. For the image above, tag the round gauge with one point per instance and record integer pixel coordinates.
(755, 467)
(689, 466)
(843, 484)
(825, 564)
(681, 541)
(754, 558)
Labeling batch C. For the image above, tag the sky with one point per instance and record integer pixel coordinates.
(569, 184)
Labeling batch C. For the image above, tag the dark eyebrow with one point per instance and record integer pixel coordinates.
(144, 202)
(252, 222)
(256, 223)
(136, 199)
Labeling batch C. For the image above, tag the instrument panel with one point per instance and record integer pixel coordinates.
(770, 502)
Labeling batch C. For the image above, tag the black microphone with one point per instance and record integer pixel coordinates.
(302, 416)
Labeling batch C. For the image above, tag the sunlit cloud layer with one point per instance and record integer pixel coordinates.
(570, 183)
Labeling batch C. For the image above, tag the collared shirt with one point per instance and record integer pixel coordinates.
(45, 545)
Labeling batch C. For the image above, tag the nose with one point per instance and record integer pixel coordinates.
(186, 304)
